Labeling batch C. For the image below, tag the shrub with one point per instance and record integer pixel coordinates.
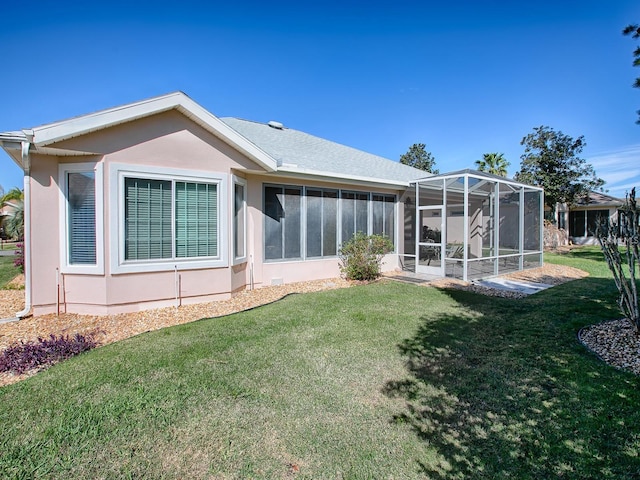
(22, 357)
(625, 232)
(19, 259)
(361, 256)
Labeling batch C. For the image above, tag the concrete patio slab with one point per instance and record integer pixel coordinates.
(521, 286)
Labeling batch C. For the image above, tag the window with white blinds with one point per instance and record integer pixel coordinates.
(147, 219)
(81, 213)
(196, 219)
(169, 219)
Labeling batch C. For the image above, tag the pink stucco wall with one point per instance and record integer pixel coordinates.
(167, 140)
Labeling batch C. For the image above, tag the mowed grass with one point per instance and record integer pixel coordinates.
(7, 270)
(386, 380)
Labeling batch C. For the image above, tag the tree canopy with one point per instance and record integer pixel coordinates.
(14, 194)
(551, 161)
(634, 31)
(493, 163)
(418, 157)
(13, 220)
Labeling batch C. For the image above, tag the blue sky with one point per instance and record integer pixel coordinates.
(465, 78)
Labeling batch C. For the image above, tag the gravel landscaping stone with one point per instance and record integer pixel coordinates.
(615, 342)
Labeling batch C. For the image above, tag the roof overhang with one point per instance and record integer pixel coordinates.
(11, 142)
(295, 172)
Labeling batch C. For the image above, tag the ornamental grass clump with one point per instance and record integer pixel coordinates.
(23, 357)
(361, 256)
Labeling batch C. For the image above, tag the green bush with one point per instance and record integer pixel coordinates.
(361, 256)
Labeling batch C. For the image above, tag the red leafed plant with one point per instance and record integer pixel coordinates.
(19, 259)
(22, 357)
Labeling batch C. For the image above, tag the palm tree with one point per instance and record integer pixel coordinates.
(12, 215)
(493, 163)
(14, 223)
(14, 194)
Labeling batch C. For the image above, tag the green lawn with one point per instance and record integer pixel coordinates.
(386, 380)
(7, 270)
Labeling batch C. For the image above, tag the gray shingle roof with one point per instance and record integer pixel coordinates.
(300, 151)
(599, 199)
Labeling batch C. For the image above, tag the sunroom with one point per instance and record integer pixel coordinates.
(470, 225)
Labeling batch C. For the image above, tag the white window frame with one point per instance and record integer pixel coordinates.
(239, 181)
(117, 174)
(63, 170)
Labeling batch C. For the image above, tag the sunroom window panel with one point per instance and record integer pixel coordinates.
(273, 223)
(348, 211)
(329, 223)
(362, 213)
(82, 218)
(292, 223)
(389, 217)
(314, 223)
(577, 223)
(593, 217)
(377, 211)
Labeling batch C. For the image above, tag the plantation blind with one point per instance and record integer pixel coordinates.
(81, 218)
(147, 219)
(196, 220)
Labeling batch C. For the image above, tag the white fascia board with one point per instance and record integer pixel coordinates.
(62, 152)
(329, 177)
(73, 127)
(56, 132)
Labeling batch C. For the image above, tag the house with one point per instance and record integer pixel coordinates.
(580, 220)
(160, 203)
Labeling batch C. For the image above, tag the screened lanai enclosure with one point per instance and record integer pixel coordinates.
(470, 225)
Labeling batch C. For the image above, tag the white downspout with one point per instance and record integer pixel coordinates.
(26, 244)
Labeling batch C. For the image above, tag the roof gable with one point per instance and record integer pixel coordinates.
(52, 133)
(601, 199)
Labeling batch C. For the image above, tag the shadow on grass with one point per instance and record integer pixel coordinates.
(584, 253)
(503, 390)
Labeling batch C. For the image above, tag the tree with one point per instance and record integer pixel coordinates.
(14, 194)
(418, 157)
(14, 222)
(551, 161)
(13, 219)
(493, 163)
(626, 232)
(634, 31)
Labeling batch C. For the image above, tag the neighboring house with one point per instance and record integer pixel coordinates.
(580, 220)
(160, 203)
